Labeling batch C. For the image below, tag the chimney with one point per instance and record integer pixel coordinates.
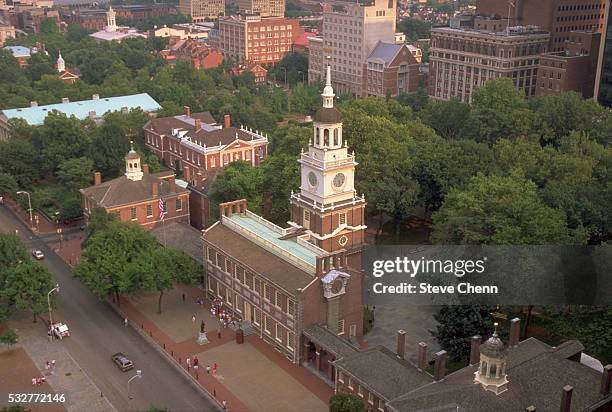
(92, 114)
(187, 111)
(95, 97)
(145, 169)
(187, 173)
(606, 378)
(401, 343)
(566, 399)
(422, 356)
(97, 178)
(440, 366)
(172, 185)
(227, 122)
(197, 124)
(515, 332)
(33, 104)
(154, 189)
(475, 349)
(65, 100)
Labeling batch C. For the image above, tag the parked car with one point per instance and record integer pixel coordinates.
(59, 330)
(38, 255)
(122, 361)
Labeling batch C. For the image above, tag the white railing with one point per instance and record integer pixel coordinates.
(267, 223)
(303, 240)
(306, 158)
(318, 206)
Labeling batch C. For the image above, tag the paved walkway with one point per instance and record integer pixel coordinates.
(286, 386)
(68, 378)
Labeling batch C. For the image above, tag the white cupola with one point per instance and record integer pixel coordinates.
(111, 21)
(61, 64)
(491, 373)
(133, 170)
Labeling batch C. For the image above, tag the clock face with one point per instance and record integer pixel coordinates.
(337, 286)
(339, 180)
(312, 179)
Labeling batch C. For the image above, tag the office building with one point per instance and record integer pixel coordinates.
(265, 8)
(201, 10)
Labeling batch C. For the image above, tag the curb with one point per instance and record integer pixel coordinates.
(169, 359)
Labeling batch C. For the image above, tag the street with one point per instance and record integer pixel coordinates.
(97, 333)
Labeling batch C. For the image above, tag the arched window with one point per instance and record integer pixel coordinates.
(335, 137)
(326, 137)
(131, 166)
(483, 368)
(493, 370)
(318, 137)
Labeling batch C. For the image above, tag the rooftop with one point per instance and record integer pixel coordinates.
(182, 237)
(514, 32)
(18, 51)
(81, 109)
(330, 341)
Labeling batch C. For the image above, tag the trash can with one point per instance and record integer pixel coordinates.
(239, 336)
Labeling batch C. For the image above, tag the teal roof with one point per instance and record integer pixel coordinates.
(36, 115)
(18, 51)
(289, 245)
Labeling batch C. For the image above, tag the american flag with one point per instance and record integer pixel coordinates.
(162, 212)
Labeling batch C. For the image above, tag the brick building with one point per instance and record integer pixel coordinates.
(259, 72)
(573, 69)
(462, 59)
(134, 197)
(6, 32)
(197, 146)
(392, 69)
(559, 17)
(202, 10)
(198, 53)
(95, 19)
(265, 8)
(253, 39)
(295, 286)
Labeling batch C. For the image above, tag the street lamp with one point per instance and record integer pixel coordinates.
(55, 289)
(23, 192)
(139, 376)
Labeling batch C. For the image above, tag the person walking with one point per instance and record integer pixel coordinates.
(125, 322)
(224, 404)
(193, 318)
(208, 369)
(196, 361)
(183, 297)
(188, 360)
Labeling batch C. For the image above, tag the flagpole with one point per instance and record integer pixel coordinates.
(164, 230)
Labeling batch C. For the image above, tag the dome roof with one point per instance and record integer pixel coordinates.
(328, 115)
(493, 347)
(132, 154)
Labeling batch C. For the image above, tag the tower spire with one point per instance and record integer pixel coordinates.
(328, 92)
(61, 65)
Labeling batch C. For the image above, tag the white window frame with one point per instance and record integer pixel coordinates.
(370, 398)
(341, 217)
(341, 327)
(149, 210)
(133, 214)
(278, 332)
(360, 391)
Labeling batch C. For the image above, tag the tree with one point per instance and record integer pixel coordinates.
(75, 173)
(9, 338)
(343, 402)
(27, 285)
(415, 29)
(305, 99)
(106, 263)
(239, 180)
(163, 268)
(61, 138)
(15, 408)
(48, 25)
(20, 159)
(457, 325)
(12, 252)
(447, 118)
(501, 210)
(99, 220)
(8, 184)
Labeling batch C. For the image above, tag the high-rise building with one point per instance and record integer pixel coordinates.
(559, 17)
(253, 39)
(200, 10)
(462, 59)
(349, 35)
(265, 8)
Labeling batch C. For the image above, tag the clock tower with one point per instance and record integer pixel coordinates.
(327, 205)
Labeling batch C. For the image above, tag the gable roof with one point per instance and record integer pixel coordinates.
(123, 191)
(330, 341)
(181, 236)
(385, 52)
(536, 374)
(383, 372)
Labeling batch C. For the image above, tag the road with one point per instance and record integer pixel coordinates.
(97, 332)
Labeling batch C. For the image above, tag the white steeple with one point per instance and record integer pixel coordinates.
(133, 171)
(111, 22)
(328, 92)
(61, 64)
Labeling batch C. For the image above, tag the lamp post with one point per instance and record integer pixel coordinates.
(55, 289)
(23, 192)
(139, 376)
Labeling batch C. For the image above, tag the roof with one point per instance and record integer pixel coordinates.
(330, 341)
(328, 115)
(181, 236)
(302, 39)
(383, 372)
(385, 52)
(265, 263)
(123, 191)
(18, 51)
(116, 35)
(36, 115)
(536, 374)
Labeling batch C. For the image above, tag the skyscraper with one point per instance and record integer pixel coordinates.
(265, 8)
(200, 10)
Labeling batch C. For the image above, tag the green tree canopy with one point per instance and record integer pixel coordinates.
(457, 325)
(343, 402)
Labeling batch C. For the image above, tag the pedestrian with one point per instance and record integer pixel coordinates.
(214, 368)
(52, 366)
(193, 318)
(208, 369)
(183, 297)
(125, 322)
(219, 333)
(224, 404)
(195, 369)
(188, 360)
(47, 365)
(196, 361)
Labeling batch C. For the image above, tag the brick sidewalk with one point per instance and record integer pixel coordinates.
(179, 351)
